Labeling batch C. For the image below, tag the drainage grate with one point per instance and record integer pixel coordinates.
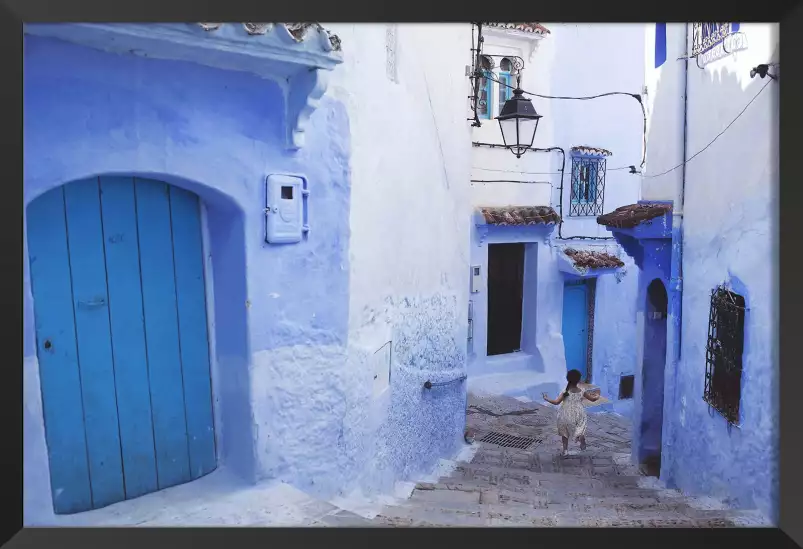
(508, 441)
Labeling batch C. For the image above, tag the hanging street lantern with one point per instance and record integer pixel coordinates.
(518, 122)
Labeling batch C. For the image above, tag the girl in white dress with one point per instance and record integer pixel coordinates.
(572, 418)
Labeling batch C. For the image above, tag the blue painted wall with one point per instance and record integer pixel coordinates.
(541, 366)
(292, 386)
(217, 134)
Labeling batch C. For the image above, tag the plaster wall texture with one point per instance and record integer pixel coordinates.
(729, 235)
(559, 66)
(295, 329)
(409, 236)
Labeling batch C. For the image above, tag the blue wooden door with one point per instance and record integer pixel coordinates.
(575, 326)
(120, 314)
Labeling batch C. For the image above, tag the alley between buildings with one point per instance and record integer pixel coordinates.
(534, 486)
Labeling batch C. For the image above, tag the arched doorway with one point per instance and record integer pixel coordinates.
(653, 365)
(117, 277)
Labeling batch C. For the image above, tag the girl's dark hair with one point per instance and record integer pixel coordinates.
(573, 377)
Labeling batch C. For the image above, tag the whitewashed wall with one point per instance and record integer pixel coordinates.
(729, 236)
(592, 59)
(404, 89)
(410, 160)
(573, 60)
(489, 164)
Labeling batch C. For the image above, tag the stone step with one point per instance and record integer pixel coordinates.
(495, 475)
(431, 516)
(446, 496)
(562, 502)
(343, 519)
(457, 514)
(540, 497)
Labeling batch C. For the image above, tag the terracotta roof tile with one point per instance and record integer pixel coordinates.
(299, 31)
(589, 259)
(585, 149)
(633, 215)
(530, 28)
(520, 215)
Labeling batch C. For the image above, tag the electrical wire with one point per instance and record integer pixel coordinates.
(715, 138)
(635, 96)
(514, 171)
(510, 181)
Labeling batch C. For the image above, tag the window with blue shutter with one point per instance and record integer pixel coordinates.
(660, 44)
(505, 89)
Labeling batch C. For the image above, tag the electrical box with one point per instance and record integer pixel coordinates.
(286, 209)
(476, 279)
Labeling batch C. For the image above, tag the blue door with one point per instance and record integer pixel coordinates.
(120, 314)
(575, 326)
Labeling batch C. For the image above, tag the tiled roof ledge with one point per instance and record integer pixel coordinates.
(535, 30)
(295, 55)
(586, 150)
(633, 215)
(518, 215)
(588, 262)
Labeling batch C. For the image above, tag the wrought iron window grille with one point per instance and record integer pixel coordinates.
(723, 372)
(588, 186)
(707, 35)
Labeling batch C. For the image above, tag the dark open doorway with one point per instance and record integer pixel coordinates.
(653, 365)
(505, 293)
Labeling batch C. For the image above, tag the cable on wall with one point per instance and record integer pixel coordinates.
(635, 96)
(715, 138)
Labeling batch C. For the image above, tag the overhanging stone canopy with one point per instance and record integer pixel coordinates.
(587, 150)
(632, 215)
(298, 56)
(635, 224)
(519, 215)
(527, 28)
(588, 262)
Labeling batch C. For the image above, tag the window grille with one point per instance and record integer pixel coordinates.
(723, 372)
(707, 35)
(588, 186)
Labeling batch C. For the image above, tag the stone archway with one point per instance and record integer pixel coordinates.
(215, 226)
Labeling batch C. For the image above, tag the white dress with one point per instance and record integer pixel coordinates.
(572, 419)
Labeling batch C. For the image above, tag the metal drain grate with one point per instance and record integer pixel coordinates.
(508, 441)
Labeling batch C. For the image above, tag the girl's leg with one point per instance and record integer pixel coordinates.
(582, 440)
(565, 441)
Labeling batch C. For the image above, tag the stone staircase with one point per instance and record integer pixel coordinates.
(536, 486)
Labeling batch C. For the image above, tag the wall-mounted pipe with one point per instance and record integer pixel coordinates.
(676, 261)
(429, 384)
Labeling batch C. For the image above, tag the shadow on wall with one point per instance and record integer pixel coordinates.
(728, 224)
(653, 370)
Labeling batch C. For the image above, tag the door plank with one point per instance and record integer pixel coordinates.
(128, 334)
(90, 296)
(57, 353)
(161, 330)
(194, 338)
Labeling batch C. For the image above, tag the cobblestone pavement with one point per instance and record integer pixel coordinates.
(536, 486)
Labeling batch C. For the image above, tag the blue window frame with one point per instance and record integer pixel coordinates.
(505, 91)
(660, 44)
(485, 99)
(588, 185)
